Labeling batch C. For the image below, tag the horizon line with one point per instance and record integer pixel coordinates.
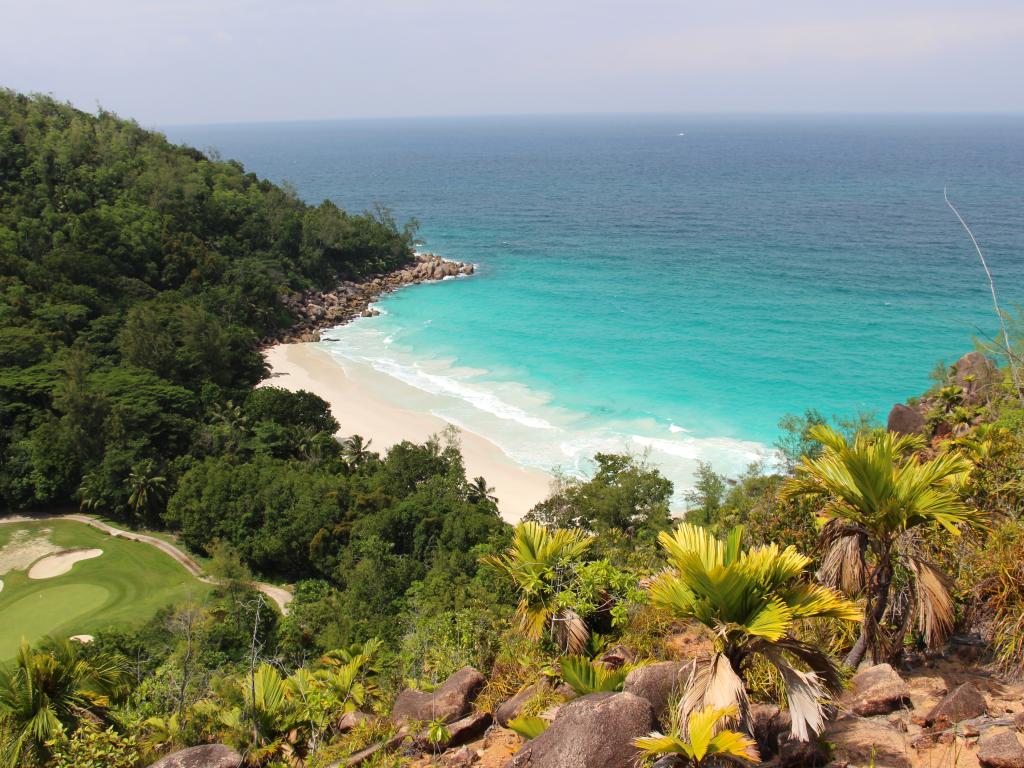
(510, 115)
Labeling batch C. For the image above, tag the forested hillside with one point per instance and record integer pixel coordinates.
(137, 278)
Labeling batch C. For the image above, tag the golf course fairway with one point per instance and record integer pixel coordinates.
(123, 587)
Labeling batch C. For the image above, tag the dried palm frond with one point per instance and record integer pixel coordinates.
(842, 565)
(714, 683)
(935, 612)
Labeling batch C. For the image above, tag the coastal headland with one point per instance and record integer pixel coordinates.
(317, 310)
(372, 404)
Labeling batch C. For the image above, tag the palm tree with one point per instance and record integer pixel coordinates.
(312, 445)
(350, 674)
(479, 491)
(878, 498)
(273, 718)
(585, 676)
(47, 692)
(751, 600)
(539, 561)
(147, 490)
(261, 718)
(703, 740)
(91, 491)
(355, 450)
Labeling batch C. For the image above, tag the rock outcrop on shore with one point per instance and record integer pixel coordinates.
(974, 377)
(317, 310)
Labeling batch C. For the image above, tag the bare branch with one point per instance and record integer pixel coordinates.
(995, 299)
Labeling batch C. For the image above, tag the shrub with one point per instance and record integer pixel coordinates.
(993, 576)
(90, 747)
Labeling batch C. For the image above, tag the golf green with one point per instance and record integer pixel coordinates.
(124, 586)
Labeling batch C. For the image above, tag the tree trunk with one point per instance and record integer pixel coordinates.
(874, 609)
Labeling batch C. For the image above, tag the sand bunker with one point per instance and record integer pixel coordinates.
(59, 564)
(82, 638)
(24, 548)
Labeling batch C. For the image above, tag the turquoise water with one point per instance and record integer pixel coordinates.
(671, 284)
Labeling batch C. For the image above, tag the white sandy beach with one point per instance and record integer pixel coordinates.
(356, 404)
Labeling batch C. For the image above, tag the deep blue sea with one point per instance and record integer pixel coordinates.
(668, 283)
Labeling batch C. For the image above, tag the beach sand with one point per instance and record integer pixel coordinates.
(353, 393)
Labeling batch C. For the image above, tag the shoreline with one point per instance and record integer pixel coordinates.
(319, 310)
(350, 393)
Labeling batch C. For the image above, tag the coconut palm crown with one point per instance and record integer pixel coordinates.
(878, 497)
(751, 600)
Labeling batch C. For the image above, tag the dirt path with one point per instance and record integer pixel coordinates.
(279, 595)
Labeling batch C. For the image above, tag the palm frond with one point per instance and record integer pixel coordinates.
(935, 611)
(842, 566)
(528, 727)
(806, 697)
(689, 540)
(807, 600)
(571, 632)
(585, 676)
(714, 683)
(707, 739)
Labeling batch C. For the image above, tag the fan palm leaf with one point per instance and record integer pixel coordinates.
(750, 599)
(705, 739)
(874, 490)
(47, 691)
(533, 562)
(585, 676)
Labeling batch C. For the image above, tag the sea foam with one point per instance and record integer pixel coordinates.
(527, 425)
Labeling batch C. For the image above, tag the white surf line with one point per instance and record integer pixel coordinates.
(279, 595)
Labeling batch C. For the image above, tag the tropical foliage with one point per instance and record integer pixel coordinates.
(269, 717)
(529, 727)
(540, 563)
(585, 676)
(137, 283)
(703, 740)
(751, 599)
(47, 692)
(878, 498)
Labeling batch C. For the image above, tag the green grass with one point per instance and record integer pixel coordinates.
(123, 587)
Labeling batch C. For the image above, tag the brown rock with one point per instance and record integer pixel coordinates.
(868, 742)
(877, 690)
(205, 756)
(461, 758)
(469, 728)
(1000, 749)
(965, 702)
(658, 683)
(350, 720)
(449, 702)
(905, 420)
(973, 373)
(617, 657)
(594, 731)
(511, 708)
(794, 753)
(1018, 721)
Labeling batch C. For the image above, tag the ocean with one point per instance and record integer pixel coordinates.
(667, 285)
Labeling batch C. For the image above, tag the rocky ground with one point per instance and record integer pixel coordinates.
(944, 712)
(317, 310)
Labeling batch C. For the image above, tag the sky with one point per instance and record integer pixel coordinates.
(168, 62)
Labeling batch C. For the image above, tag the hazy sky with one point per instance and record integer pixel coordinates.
(193, 61)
